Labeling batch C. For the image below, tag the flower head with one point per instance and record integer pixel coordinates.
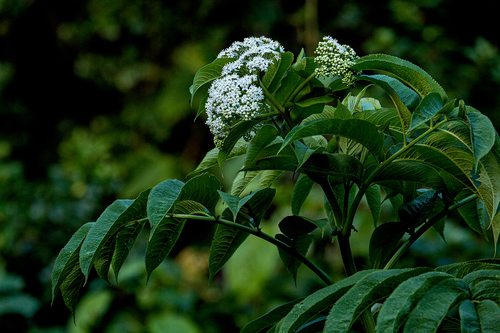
(237, 95)
(335, 59)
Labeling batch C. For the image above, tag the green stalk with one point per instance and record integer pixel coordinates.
(413, 238)
(300, 87)
(257, 232)
(277, 106)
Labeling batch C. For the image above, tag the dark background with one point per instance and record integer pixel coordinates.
(94, 106)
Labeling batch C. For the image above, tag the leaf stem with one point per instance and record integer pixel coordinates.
(413, 238)
(300, 87)
(257, 232)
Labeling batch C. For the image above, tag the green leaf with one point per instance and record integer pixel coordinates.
(295, 226)
(301, 190)
(403, 97)
(384, 241)
(207, 74)
(482, 134)
(314, 100)
(488, 313)
(461, 269)
(337, 164)
(125, 240)
(243, 179)
(211, 159)
(414, 213)
(382, 118)
(71, 286)
(409, 73)
(363, 295)
(374, 199)
(301, 244)
(358, 130)
(270, 318)
(429, 106)
(473, 213)
(276, 71)
(403, 300)
(225, 242)
(319, 302)
(237, 131)
(161, 200)
(161, 241)
(114, 217)
(436, 303)
(487, 289)
(408, 169)
(68, 257)
(469, 320)
(266, 135)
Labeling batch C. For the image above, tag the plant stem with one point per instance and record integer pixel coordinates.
(257, 232)
(413, 238)
(300, 87)
(277, 105)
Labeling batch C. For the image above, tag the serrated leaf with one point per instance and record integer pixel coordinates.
(207, 74)
(482, 134)
(319, 302)
(402, 301)
(68, 257)
(301, 190)
(383, 118)
(161, 200)
(384, 241)
(71, 286)
(429, 106)
(436, 303)
(413, 170)
(125, 240)
(488, 313)
(461, 269)
(161, 242)
(363, 295)
(265, 179)
(270, 318)
(409, 73)
(403, 97)
(487, 289)
(98, 246)
(358, 130)
(301, 244)
(469, 320)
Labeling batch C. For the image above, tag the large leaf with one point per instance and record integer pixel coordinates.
(301, 244)
(358, 130)
(384, 241)
(373, 196)
(363, 295)
(435, 305)
(384, 118)
(319, 302)
(125, 240)
(98, 246)
(482, 134)
(301, 190)
(260, 141)
(403, 300)
(409, 73)
(488, 313)
(340, 165)
(429, 106)
(236, 132)
(270, 318)
(68, 257)
(265, 179)
(161, 200)
(468, 318)
(276, 71)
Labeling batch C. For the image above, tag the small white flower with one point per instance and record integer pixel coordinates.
(237, 95)
(335, 59)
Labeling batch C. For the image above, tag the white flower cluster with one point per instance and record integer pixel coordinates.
(335, 59)
(236, 95)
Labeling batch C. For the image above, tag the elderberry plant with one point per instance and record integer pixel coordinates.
(427, 154)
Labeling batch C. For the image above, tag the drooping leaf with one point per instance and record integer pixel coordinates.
(469, 320)
(98, 246)
(318, 302)
(337, 164)
(358, 130)
(207, 74)
(482, 134)
(435, 305)
(402, 301)
(473, 213)
(409, 73)
(161, 200)
(301, 244)
(295, 226)
(414, 213)
(488, 313)
(374, 199)
(270, 318)
(225, 242)
(384, 241)
(161, 241)
(125, 240)
(300, 192)
(68, 257)
(71, 286)
(363, 295)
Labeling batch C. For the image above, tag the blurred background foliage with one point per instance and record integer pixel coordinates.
(94, 106)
